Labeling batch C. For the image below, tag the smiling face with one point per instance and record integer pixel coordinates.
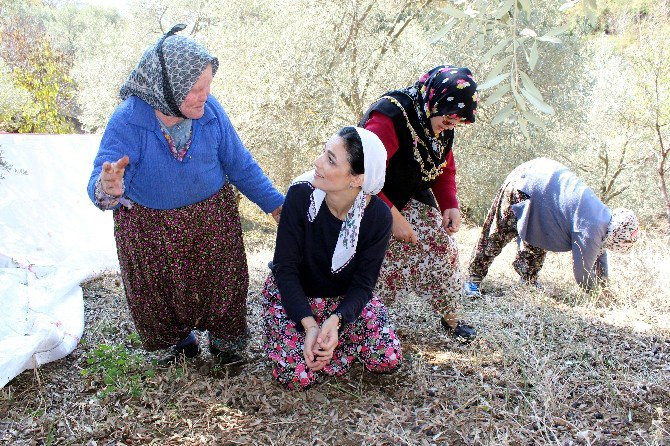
(193, 106)
(442, 123)
(332, 167)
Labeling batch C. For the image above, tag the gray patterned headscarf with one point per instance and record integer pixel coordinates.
(623, 230)
(185, 60)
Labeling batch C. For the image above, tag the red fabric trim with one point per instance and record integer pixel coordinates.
(445, 185)
(382, 126)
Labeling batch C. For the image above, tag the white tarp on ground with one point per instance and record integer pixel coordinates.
(51, 239)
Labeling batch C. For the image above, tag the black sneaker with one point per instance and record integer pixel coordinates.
(463, 332)
(188, 346)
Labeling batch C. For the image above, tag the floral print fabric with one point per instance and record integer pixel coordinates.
(430, 268)
(447, 91)
(184, 269)
(371, 339)
(105, 201)
(623, 230)
(178, 138)
(498, 230)
(444, 91)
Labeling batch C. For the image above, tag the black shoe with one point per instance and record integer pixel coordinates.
(463, 332)
(188, 346)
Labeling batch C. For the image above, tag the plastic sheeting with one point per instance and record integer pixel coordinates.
(51, 239)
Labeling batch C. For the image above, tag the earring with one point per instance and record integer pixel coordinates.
(351, 186)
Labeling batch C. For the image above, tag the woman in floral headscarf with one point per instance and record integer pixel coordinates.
(319, 310)
(166, 165)
(416, 125)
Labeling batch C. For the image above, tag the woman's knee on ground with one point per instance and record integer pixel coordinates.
(294, 376)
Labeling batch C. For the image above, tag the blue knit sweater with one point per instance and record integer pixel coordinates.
(155, 179)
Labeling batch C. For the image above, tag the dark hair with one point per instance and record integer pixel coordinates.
(354, 146)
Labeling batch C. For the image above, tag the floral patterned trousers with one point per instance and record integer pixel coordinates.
(498, 230)
(430, 268)
(184, 268)
(371, 339)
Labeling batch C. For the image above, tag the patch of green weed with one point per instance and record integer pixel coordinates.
(116, 368)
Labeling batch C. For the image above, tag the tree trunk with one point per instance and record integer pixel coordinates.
(664, 187)
(663, 154)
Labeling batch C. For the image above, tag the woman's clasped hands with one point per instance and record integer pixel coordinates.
(320, 342)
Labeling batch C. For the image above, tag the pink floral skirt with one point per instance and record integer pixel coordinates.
(371, 339)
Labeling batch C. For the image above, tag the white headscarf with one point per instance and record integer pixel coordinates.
(374, 162)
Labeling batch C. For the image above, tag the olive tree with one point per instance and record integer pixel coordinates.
(649, 101)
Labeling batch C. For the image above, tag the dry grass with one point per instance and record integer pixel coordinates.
(552, 367)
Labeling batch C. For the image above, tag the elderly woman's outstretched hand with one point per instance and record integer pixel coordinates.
(111, 177)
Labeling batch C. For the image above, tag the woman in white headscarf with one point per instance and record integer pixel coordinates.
(319, 310)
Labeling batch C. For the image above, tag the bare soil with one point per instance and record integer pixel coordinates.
(550, 367)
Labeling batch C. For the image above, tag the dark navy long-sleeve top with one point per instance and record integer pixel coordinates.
(304, 251)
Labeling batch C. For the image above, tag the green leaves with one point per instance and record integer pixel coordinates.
(496, 49)
(490, 83)
(497, 95)
(534, 56)
(116, 368)
(568, 5)
(445, 29)
(516, 42)
(503, 114)
(455, 13)
(503, 9)
(530, 89)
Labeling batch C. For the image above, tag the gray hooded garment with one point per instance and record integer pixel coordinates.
(562, 214)
(185, 60)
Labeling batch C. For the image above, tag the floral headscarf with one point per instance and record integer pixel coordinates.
(448, 91)
(184, 59)
(374, 162)
(443, 91)
(623, 230)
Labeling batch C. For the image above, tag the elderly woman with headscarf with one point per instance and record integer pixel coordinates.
(416, 125)
(166, 165)
(319, 310)
(548, 208)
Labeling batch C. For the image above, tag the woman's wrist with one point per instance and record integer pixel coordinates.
(336, 319)
(308, 323)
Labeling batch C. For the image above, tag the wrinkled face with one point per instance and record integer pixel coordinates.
(332, 167)
(442, 123)
(193, 106)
